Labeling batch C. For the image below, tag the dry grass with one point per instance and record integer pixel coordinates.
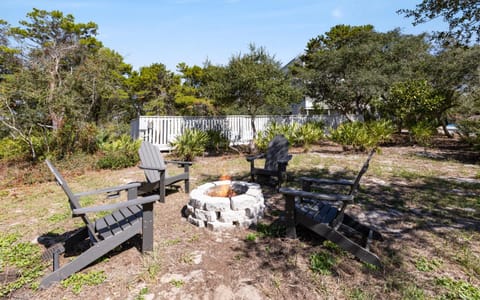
(427, 208)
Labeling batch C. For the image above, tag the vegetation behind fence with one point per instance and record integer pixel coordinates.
(161, 130)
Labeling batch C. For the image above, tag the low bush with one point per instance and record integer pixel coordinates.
(361, 136)
(469, 131)
(13, 149)
(217, 141)
(422, 133)
(301, 135)
(120, 153)
(191, 143)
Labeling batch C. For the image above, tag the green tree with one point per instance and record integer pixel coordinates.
(54, 43)
(462, 16)
(100, 84)
(191, 98)
(412, 101)
(154, 89)
(350, 67)
(254, 82)
(454, 73)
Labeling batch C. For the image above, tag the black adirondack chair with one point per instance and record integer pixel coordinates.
(126, 220)
(324, 214)
(276, 161)
(155, 168)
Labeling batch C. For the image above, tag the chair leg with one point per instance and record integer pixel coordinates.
(89, 256)
(187, 186)
(147, 227)
(341, 240)
(348, 245)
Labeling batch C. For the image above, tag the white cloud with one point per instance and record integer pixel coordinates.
(337, 13)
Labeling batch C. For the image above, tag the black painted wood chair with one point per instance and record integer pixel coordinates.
(276, 161)
(324, 214)
(155, 168)
(123, 221)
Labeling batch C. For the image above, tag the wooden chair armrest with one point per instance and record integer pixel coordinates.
(317, 196)
(180, 163)
(110, 189)
(325, 181)
(254, 157)
(114, 206)
(153, 168)
(286, 160)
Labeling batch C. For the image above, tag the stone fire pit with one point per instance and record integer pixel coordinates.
(225, 204)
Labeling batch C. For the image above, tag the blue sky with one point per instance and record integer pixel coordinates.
(191, 31)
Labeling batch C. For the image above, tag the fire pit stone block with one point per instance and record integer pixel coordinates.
(205, 215)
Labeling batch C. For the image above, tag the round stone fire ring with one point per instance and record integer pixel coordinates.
(241, 206)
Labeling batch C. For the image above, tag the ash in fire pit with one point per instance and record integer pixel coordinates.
(225, 204)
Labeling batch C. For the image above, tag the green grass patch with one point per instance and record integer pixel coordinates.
(322, 263)
(427, 265)
(458, 289)
(270, 230)
(78, 280)
(22, 259)
(178, 283)
(251, 237)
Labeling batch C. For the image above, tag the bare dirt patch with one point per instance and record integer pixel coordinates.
(426, 208)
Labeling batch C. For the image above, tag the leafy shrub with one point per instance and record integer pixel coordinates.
(11, 149)
(121, 153)
(75, 137)
(296, 134)
(217, 141)
(422, 133)
(469, 131)
(309, 133)
(361, 136)
(190, 144)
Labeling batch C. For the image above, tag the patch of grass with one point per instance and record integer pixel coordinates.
(186, 258)
(151, 265)
(322, 263)
(55, 218)
(332, 247)
(458, 289)
(413, 292)
(194, 238)
(468, 259)
(78, 280)
(359, 294)
(178, 283)
(142, 293)
(22, 259)
(270, 230)
(251, 237)
(427, 265)
(172, 242)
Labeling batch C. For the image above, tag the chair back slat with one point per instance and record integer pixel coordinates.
(151, 156)
(72, 199)
(277, 150)
(363, 170)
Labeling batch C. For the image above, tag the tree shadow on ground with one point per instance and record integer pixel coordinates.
(405, 212)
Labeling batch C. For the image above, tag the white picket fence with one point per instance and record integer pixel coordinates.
(161, 130)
